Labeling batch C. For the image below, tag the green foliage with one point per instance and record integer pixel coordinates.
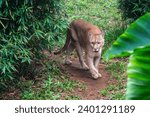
(135, 36)
(133, 9)
(26, 28)
(135, 41)
(139, 74)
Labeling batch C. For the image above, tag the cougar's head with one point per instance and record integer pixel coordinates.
(96, 41)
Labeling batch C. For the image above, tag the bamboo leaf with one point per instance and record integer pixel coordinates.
(1, 1)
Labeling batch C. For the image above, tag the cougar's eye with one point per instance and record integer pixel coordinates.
(92, 43)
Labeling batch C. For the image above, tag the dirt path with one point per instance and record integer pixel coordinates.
(92, 86)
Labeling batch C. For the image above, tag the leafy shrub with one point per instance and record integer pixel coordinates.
(134, 8)
(26, 28)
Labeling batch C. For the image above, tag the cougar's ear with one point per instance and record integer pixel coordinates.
(90, 35)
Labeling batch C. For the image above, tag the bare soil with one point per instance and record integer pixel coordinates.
(93, 87)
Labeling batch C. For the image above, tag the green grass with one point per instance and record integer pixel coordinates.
(117, 82)
(53, 87)
(72, 97)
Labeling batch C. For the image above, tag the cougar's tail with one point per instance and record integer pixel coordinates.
(67, 43)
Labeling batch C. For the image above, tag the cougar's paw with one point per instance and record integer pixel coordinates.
(68, 62)
(99, 75)
(95, 76)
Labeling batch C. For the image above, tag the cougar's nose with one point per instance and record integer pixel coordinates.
(96, 50)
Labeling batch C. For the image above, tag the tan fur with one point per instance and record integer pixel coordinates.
(85, 36)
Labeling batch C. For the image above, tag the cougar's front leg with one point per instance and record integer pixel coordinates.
(92, 68)
(80, 55)
(96, 63)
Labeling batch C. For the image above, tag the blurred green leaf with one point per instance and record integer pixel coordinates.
(138, 86)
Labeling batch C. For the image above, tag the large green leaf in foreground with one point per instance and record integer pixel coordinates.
(135, 42)
(138, 86)
(138, 34)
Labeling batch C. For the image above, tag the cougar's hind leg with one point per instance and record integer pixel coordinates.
(70, 48)
(78, 49)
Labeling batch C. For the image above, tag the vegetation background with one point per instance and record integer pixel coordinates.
(28, 27)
